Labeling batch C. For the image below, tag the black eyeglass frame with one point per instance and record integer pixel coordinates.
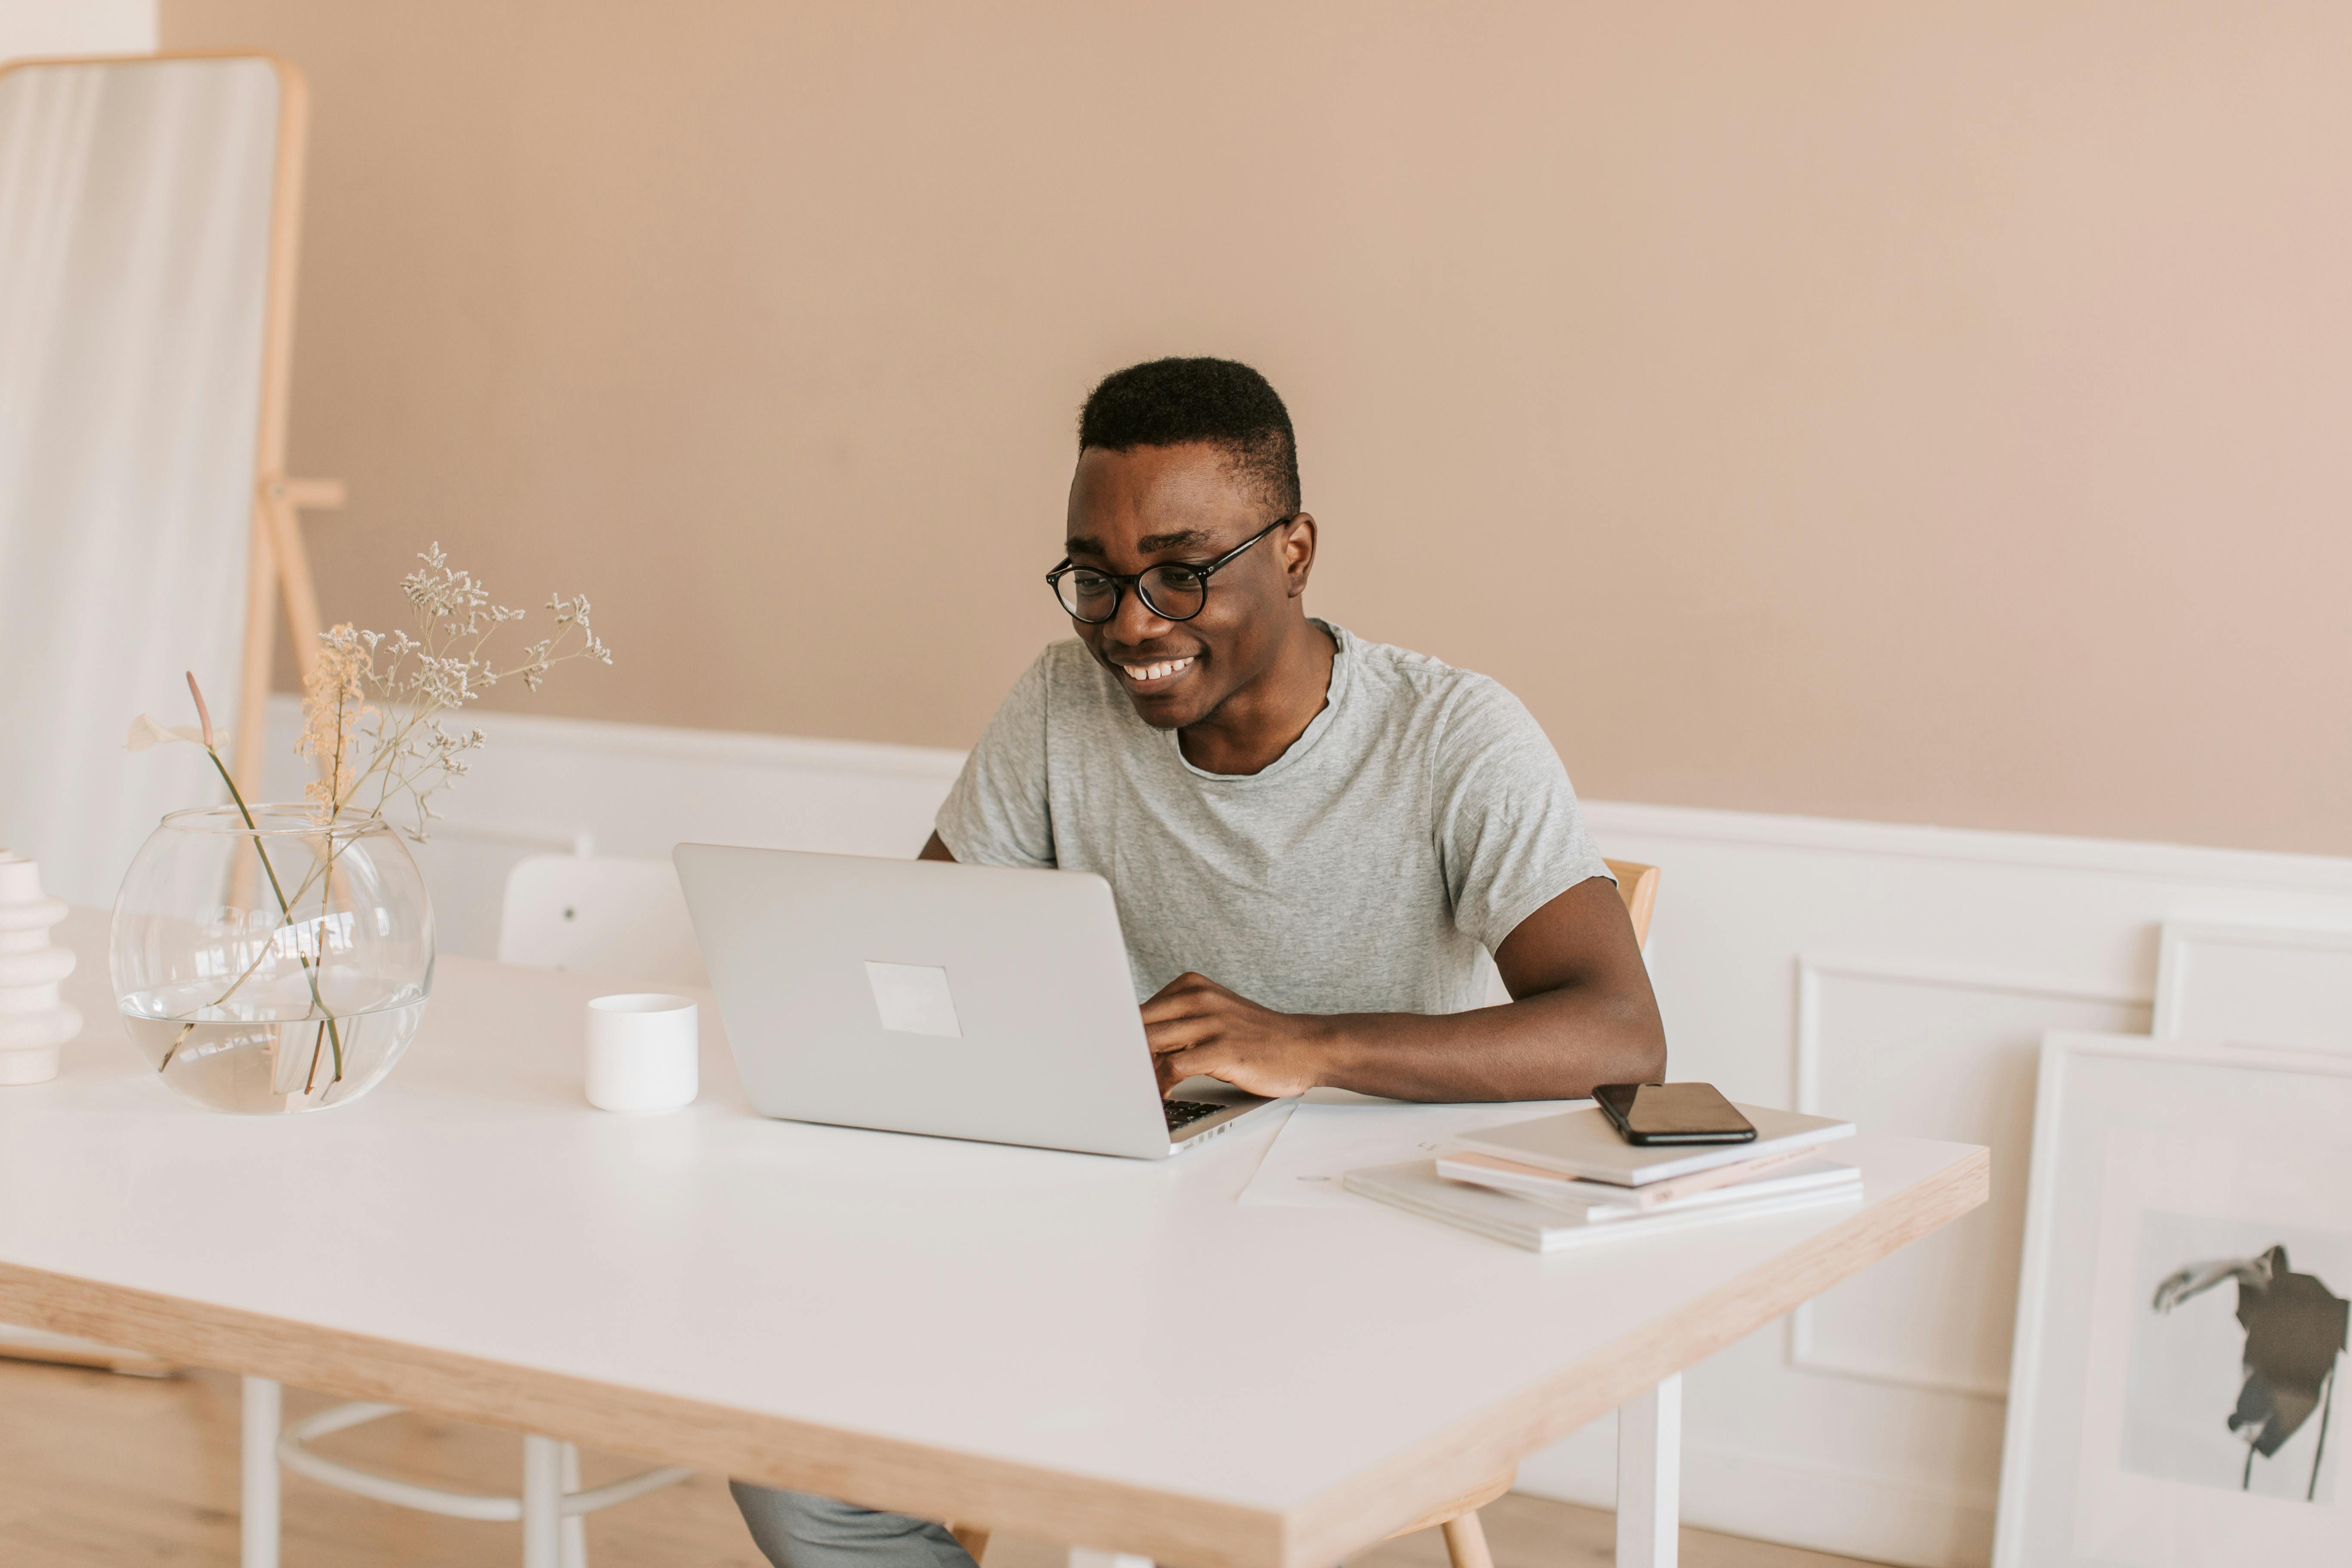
(1121, 582)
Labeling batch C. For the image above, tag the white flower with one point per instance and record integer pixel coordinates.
(146, 732)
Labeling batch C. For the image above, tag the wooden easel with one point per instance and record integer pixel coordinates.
(278, 562)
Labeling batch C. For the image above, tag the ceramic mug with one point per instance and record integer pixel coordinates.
(643, 1047)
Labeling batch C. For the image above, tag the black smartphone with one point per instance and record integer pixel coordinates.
(1673, 1113)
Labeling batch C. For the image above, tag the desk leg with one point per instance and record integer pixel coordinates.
(542, 1504)
(1087, 1557)
(575, 1525)
(257, 1527)
(1648, 1476)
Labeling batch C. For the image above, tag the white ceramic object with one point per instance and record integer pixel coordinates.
(643, 1047)
(34, 1021)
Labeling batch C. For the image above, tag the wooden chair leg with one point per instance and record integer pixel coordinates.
(971, 1538)
(1465, 1542)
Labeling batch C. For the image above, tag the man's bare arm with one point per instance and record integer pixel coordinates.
(934, 850)
(1581, 1013)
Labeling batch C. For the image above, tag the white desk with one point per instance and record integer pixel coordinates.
(1074, 1348)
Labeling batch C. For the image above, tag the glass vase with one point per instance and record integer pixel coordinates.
(276, 966)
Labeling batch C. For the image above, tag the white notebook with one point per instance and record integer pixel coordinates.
(1602, 1201)
(1586, 1143)
(1416, 1187)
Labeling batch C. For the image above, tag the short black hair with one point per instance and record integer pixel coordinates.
(1170, 402)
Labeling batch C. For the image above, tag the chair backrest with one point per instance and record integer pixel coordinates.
(600, 915)
(1638, 885)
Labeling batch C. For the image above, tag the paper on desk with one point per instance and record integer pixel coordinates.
(1331, 1132)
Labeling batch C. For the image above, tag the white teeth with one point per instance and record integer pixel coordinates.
(1154, 671)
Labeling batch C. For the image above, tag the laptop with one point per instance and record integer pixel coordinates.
(924, 996)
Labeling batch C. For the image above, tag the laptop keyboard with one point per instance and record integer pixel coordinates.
(1182, 1114)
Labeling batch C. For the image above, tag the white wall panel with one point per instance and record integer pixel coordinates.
(2256, 985)
(1942, 1054)
(570, 785)
(1899, 976)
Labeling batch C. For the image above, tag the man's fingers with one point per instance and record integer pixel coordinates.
(1178, 1033)
(1165, 1009)
(1195, 1062)
(1161, 1008)
(1187, 985)
(1189, 980)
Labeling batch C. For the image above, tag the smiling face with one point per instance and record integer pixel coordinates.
(1152, 505)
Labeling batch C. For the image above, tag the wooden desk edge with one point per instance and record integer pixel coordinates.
(879, 1472)
(884, 1472)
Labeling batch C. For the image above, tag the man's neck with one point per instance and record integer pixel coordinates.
(1251, 729)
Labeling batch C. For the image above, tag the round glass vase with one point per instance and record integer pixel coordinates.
(272, 967)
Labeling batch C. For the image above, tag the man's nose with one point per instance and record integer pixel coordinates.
(1135, 623)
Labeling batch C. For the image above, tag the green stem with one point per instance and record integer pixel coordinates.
(261, 957)
(284, 914)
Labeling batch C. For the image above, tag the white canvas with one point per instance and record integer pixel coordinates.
(2148, 1158)
(134, 223)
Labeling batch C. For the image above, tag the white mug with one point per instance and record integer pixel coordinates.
(642, 1051)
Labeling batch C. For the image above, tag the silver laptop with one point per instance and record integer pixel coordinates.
(922, 996)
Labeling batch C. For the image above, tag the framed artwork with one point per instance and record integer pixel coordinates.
(2182, 1320)
(2279, 986)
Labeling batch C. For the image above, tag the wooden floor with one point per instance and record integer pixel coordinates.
(101, 1471)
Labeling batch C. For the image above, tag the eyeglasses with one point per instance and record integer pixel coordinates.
(1174, 591)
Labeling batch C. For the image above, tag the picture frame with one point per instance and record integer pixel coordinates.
(2149, 1424)
(2286, 987)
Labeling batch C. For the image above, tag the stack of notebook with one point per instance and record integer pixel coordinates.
(1566, 1180)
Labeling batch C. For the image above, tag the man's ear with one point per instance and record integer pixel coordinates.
(1298, 553)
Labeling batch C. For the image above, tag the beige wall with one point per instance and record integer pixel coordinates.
(1925, 412)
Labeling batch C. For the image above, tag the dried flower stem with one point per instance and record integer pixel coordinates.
(394, 711)
(393, 714)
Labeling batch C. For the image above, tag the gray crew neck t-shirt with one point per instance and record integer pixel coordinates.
(1420, 818)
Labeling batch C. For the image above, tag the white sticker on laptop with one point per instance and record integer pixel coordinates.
(913, 999)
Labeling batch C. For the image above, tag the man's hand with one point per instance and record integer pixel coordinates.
(1196, 1025)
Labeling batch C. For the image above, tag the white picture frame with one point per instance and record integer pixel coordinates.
(2281, 987)
(2127, 1421)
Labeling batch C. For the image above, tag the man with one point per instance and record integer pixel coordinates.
(1311, 838)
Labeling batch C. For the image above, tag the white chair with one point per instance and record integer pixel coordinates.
(600, 915)
(622, 918)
